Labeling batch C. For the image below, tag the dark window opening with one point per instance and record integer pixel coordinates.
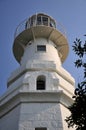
(39, 20)
(41, 83)
(41, 128)
(41, 48)
(45, 21)
(30, 43)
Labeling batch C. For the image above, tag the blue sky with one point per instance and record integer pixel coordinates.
(70, 13)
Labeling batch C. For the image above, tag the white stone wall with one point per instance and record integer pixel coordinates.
(31, 53)
(65, 113)
(28, 116)
(9, 121)
(54, 81)
(30, 79)
(40, 115)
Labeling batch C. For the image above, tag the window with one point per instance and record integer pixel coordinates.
(41, 48)
(52, 23)
(45, 21)
(32, 21)
(27, 24)
(38, 20)
(41, 128)
(40, 83)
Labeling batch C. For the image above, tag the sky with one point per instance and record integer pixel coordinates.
(70, 13)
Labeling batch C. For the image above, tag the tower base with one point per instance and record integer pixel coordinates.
(30, 110)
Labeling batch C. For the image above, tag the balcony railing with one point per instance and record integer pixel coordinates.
(37, 20)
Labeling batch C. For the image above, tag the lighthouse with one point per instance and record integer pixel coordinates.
(40, 90)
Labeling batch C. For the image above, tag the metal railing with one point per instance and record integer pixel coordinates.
(26, 24)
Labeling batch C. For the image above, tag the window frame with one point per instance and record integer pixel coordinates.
(45, 20)
(41, 48)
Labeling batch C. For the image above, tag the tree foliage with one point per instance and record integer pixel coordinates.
(77, 117)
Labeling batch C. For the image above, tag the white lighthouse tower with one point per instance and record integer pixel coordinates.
(40, 90)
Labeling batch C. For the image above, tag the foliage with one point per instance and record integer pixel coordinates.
(78, 108)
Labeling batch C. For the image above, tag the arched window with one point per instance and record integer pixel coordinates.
(40, 83)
